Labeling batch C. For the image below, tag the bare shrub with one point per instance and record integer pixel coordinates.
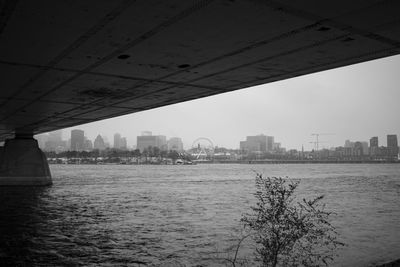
(288, 232)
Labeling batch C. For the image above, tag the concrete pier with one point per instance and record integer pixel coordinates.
(22, 163)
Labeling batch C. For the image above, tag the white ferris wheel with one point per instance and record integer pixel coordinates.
(202, 148)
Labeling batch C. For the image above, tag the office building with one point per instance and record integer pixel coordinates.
(99, 143)
(358, 149)
(88, 145)
(77, 140)
(54, 142)
(106, 143)
(373, 142)
(392, 140)
(175, 143)
(146, 141)
(120, 142)
(373, 147)
(348, 144)
(257, 143)
(393, 146)
(123, 144)
(270, 143)
(277, 147)
(365, 147)
(117, 141)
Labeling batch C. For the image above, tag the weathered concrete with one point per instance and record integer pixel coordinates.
(22, 163)
(119, 57)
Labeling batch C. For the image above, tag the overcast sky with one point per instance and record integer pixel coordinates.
(354, 102)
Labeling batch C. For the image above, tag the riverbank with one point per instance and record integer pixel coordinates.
(194, 162)
(305, 161)
(395, 263)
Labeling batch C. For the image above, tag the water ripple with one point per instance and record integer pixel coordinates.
(184, 215)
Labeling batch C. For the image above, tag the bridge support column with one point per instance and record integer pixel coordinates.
(22, 163)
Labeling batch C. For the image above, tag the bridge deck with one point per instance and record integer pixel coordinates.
(65, 63)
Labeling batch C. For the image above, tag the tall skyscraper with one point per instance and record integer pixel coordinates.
(106, 142)
(123, 144)
(270, 143)
(77, 140)
(88, 145)
(358, 149)
(117, 141)
(373, 147)
(99, 143)
(373, 142)
(365, 147)
(392, 140)
(392, 145)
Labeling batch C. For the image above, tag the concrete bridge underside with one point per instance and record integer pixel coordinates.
(65, 63)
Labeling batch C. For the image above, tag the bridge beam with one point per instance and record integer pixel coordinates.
(22, 163)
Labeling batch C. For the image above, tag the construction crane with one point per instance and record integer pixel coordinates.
(317, 142)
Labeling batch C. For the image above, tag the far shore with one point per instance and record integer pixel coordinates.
(194, 162)
(395, 263)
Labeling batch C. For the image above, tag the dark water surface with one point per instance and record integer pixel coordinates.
(126, 215)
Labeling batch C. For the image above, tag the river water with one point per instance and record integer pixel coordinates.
(128, 215)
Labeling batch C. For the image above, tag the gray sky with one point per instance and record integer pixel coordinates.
(354, 102)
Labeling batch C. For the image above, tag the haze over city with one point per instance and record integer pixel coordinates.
(353, 102)
(260, 133)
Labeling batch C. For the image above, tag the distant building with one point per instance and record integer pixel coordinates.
(99, 143)
(373, 147)
(365, 148)
(348, 152)
(348, 144)
(373, 142)
(277, 147)
(175, 143)
(393, 146)
(257, 143)
(162, 142)
(146, 141)
(120, 142)
(88, 145)
(54, 142)
(77, 140)
(117, 141)
(123, 144)
(106, 142)
(392, 140)
(270, 143)
(358, 149)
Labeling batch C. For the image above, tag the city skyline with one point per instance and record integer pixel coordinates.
(353, 102)
(53, 140)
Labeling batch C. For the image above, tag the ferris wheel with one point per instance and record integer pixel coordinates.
(202, 148)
